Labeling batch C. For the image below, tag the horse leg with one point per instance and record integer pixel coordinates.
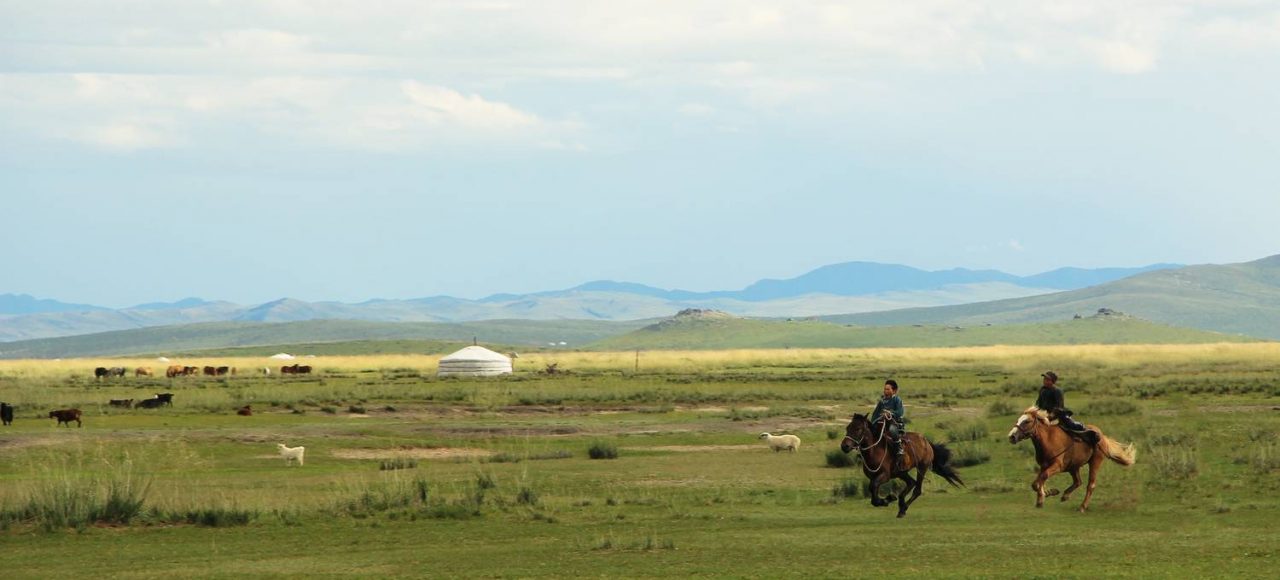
(903, 503)
(1095, 463)
(1075, 482)
(1038, 484)
(875, 492)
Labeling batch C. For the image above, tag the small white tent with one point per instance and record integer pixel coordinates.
(474, 361)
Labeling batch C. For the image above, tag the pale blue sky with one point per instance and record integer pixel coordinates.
(351, 150)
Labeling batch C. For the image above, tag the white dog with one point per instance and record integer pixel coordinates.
(291, 454)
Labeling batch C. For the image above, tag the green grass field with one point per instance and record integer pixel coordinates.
(409, 475)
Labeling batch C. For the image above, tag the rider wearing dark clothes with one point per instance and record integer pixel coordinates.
(891, 403)
(1052, 402)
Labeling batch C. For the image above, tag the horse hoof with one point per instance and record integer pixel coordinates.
(1083, 510)
(1051, 493)
(889, 498)
(902, 514)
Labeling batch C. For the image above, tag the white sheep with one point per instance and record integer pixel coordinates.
(291, 454)
(779, 442)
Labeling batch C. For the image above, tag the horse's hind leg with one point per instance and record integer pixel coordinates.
(903, 502)
(1075, 482)
(1094, 465)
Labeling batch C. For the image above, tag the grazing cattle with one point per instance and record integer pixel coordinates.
(210, 371)
(116, 371)
(221, 370)
(142, 372)
(173, 371)
(126, 403)
(99, 373)
(66, 416)
(303, 370)
(288, 369)
(244, 411)
(291, 454)
(149, 404)
(188, 371)
(6, 413)
(165, 398)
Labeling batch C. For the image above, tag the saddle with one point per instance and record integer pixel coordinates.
(1076, 429)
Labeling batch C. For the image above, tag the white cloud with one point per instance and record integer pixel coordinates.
(443, 105)
(129, 135)
(1123, 57)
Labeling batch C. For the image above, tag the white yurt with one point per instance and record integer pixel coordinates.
(474, 361)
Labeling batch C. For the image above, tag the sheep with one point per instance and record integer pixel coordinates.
(291, 454)
(779, 442)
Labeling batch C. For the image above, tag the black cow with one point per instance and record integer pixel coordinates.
(165, 398)
(66, 416)
(6, 413)
(149, 404)
(99, 373)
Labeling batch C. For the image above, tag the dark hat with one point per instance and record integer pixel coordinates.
(1050, 375)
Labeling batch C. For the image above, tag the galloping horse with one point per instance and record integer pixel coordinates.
(879, 465)
(1058, 451)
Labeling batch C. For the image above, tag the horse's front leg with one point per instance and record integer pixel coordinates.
(876, 481)
(1038, 484)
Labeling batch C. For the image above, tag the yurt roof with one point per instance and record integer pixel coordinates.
(475, 354)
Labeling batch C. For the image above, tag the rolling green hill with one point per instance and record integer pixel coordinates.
(1233, 298)
(721, 331)
(223, 335)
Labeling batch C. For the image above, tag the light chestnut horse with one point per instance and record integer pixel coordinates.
(1057, 451)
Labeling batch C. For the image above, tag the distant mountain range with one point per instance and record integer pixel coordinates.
(1233, 298)
(850, 287)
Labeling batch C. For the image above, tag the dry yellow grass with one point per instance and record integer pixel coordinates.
(1017, 358)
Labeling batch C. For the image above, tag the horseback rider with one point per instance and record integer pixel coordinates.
(1052, 402)
(890, 406)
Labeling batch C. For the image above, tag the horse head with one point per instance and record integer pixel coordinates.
(1026, 425)
(857, 431)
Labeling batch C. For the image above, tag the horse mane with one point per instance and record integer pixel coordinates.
(1036, 412)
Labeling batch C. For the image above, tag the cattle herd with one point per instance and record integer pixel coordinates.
(66, 416)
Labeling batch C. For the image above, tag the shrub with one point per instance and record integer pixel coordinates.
(1109, 407)
(833, 434)
(602, 450)
(847, 488)
(965, 456)
(527, 496)
(358, 409)
(1173, 464)
(1001, 409)
(971, 431)
(837, 458)
(398, 463)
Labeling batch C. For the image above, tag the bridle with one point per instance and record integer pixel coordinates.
(884, 428)
(1031, 430)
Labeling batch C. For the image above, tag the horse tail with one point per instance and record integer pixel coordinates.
(941, 464)
(1124, 454)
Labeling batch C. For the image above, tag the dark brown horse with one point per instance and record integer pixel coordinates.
(1058, 451)
(879, 464)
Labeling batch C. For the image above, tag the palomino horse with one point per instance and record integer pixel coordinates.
(1058, 451)
(879, 465)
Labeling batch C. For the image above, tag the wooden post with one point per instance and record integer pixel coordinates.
(637, 360)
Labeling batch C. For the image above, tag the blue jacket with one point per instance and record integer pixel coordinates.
(891, 404)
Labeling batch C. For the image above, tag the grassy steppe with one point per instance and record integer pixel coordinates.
(495, 478)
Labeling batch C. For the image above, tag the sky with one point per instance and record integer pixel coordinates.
(350, 150)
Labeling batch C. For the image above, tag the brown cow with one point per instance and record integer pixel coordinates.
(244, 411)
(210, 371)
(66, 416)
(142, 372)
(220, 371)
(173, 371)
(188, 371)
(288, 369)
